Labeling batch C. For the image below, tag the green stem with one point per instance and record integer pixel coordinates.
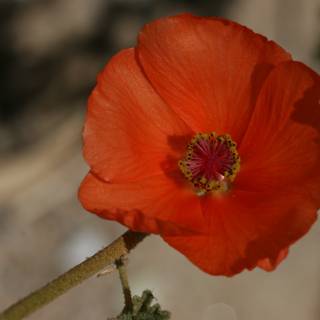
(125, 285)
(73, 277)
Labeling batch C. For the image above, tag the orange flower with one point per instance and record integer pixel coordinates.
(207, 134)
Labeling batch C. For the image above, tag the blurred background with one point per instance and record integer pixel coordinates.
(50, 54)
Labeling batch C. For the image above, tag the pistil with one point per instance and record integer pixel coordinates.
(211, 162)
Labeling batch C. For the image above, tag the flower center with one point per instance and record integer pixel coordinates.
(211, 162)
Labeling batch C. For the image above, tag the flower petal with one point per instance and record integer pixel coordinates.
(208, 70)
(157, 204)
(129, 131)
(282, 143)
(244, 228)
(271, 264)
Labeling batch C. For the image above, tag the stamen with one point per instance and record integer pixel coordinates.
(211, 162)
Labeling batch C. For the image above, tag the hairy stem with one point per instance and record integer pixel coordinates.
(73, 277)
(125, 284)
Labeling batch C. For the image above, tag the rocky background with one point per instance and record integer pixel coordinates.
(50, 54)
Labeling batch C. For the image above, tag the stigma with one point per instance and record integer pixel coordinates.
(211, 162)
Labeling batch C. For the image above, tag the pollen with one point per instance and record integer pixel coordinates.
(211, 162)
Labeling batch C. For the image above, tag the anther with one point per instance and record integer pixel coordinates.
(211, 162)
